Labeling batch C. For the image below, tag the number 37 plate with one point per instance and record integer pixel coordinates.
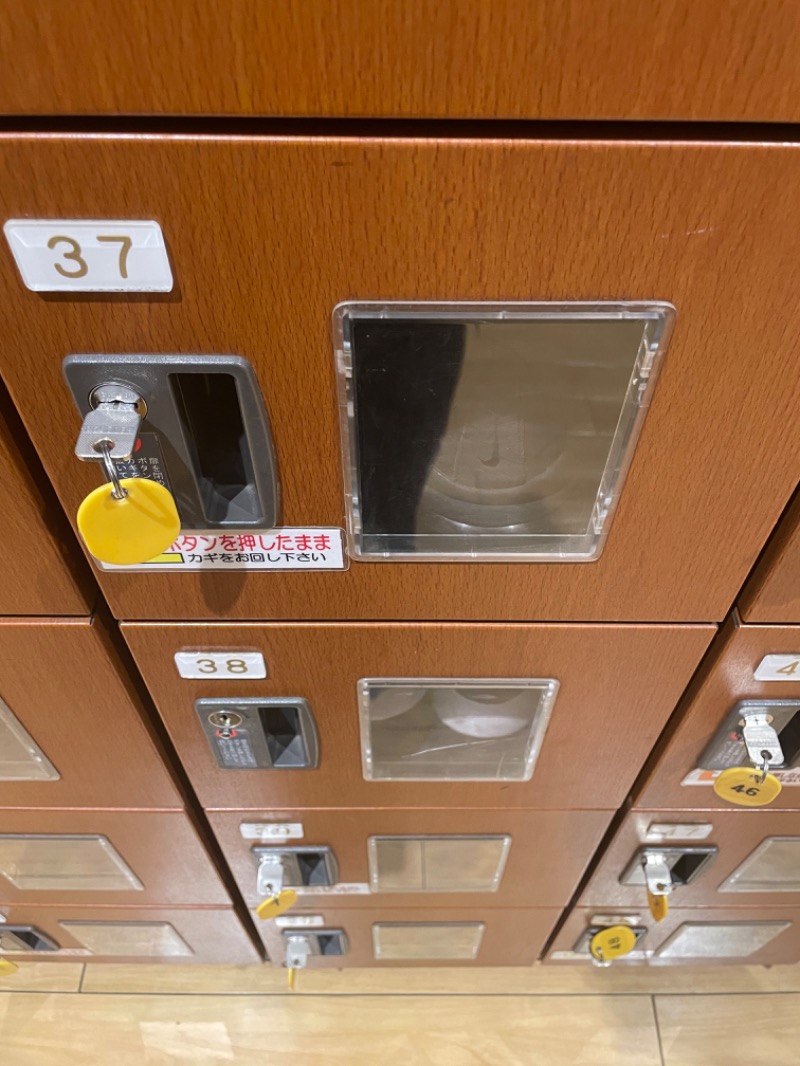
(90, 255)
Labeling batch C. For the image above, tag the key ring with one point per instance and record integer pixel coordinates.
(104, 447)
(764, 768)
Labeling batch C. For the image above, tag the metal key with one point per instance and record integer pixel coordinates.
(114, 421)
(761, 740)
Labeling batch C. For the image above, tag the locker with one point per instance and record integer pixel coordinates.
(732, 858)
(124, 934)
(424, 936)
(662, 237)
(426, 715)
(108, 858)
(42, 571)
(772, 594)
(518, 59)
(765, 936)
(453, 858)
(707, 735)
(73, 731)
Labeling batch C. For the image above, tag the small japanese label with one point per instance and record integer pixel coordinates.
(708, 777)
(342, 889)
(311, 548)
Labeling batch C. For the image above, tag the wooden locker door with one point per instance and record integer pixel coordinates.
(618, 686)
(42, 570)
(355, 218)
(750, 847)
(605, 59)
(150, 858)
(772, 594)
(174, 934)
(726, 678)
(508, 937)
(63, 683)
(542, 863)
(768, 936)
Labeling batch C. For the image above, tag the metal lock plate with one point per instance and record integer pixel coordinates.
(728, 747)
(15, 939)
(672, 867)
(299, 867)
(260, 734)
(303, 944)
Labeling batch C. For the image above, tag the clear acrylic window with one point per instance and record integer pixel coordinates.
(427, 940)
(20, 757)
(774, 866)
(416, 729)
(437, 864)
(47, 863)
(720, 940)
(145, 939)
(491, 431)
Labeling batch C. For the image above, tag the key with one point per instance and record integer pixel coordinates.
(277, 904)
(297, 952)
(658, 879)
(131, 522)
(612, 943)
(7, 967)
(761, 741)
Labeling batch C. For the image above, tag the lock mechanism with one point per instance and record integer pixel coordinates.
(260, 734)
(15, 939)
(282, 870)
(185, 444)
(762, 733)
(662, 870)
(609, 938)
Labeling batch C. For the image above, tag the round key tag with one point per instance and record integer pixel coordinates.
(612, 943)
(747, 787)
(277, 905)
(7, 968)
(659, 906)
(131, 530)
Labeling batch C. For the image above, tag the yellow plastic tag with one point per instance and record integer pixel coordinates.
(743, 786)
(291, 974)
(7, 968)
(659, 906)
(612, 943)
(277, 905)
(132, 530)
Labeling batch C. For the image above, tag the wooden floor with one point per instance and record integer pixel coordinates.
(69, 1015)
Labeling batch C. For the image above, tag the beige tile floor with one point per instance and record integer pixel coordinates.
(71, 1015)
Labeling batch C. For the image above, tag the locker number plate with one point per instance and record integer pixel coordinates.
(90, 255)
(778, 668)
(221, 665)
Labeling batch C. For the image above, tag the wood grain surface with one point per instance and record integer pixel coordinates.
(42, 569)
(619, 685)
(161, 847)
(511, 937)
(267, 235)
(736, 833)
(562, 842)
(726, 677)
(213, 934)
(576, 59)
(785, 948)
(67, 687)
(773, 592)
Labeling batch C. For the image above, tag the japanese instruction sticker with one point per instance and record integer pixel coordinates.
(312, 548)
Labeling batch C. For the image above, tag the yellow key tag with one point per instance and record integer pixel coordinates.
(132, 530)
(612, 943)
(743, 786)
(277, 905)
(7, 968)
(659, 906)
(291, 975)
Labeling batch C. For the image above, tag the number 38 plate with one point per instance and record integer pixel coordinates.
(221, 665)
(90, 255)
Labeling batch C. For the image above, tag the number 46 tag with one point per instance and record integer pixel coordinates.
(90, 255)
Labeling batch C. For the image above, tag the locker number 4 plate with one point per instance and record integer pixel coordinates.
(221, 665)
(778, 668)
(90, 255)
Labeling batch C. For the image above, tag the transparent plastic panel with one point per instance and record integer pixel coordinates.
(491, 431)
(418, 729)
(64, 863)
(720, 940)
(427, 940)
(146, 939)
(437, 864)
(773, 867)
(20, 758)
